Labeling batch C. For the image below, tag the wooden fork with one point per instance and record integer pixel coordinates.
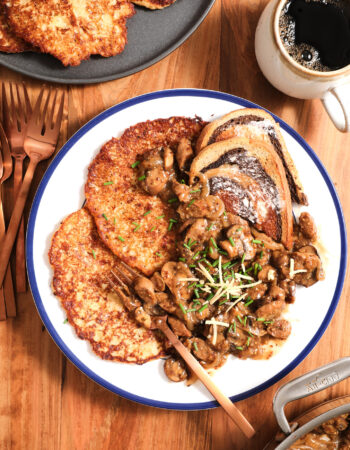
(160, 323)
(39, 144)
(6, 293)
(16, 116)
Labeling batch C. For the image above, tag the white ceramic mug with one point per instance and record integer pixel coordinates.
(333, 88)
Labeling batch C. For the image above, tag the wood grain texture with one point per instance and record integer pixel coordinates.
(45, 402)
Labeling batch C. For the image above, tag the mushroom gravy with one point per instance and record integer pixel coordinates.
(230, 284)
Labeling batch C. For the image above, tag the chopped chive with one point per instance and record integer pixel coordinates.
(215, 263)
(158, 254)
(186, 246)
(267, 322)
(65, 321)
(153, 228)
(213, 242)
(114, 220)
(104, 215)
(210, 296)
(196, 190)
(135, 164)
(211, 250)
(195, 255)
(239, 348)
(147, 212)
(93, 253)
(234, 327)
(225, 213)
(256, 241)
(182, 181)
(230, 328)
(245, 320)
(261, 254)
(248, 341)
(142, 177)
(243, 258)
(121, 239)
(172, 200)
(160, 217)
(107, 183)
(173, 220)
(222, 252)
(170, 226)
(223, 302)
(239, 229)
(255, 269)
(211, 226)
(182, 259)
(190, 286)
(195, 346)
(240, 319)
(196, 302)
(260, 319)
(203, 307)
(137, 226)
(192, 266)
(249, 302)
(250, 334)
(196, 293)
(182, 308)
(191, 203)
(225, 266)
(249, 270)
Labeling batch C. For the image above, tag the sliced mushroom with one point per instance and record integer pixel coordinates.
(179, 327)
(176, 277)
(158, 282)
(168, 157)
(280, 329)
(142, 317)
(184, 153)
(144, 288)
(175, 369)
(155, 181)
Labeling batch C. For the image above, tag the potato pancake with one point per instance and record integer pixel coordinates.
(9, 42)
(154, 4)
(72, 30)
(82, 265)
(133, 224)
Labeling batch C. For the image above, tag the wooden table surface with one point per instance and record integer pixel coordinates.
(45, 402)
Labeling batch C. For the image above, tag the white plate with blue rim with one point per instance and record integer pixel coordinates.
(147, 384)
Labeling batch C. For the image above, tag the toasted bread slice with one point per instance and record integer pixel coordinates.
(250, 179)
(154, 4)
(255, 124)
(71, 30)
(132, 223)
(81, 266)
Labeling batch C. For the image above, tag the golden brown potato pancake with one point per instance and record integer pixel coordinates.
(72, 30)
(118, 203)
(154, 4)
(9, 42)
(82, 265)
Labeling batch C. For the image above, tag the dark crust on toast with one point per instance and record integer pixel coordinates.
(82, 265)
(128, 202)
(252, 168)
(245, 119)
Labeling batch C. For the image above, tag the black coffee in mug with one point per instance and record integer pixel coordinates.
(316, 33)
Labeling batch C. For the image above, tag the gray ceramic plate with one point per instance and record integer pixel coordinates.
(152, 35)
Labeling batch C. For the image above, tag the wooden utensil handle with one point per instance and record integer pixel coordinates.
(201, 373)
(7, 243)
(20, 252)
(7, 295)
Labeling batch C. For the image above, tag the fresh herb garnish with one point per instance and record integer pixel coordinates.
(213, 242)
(256, 241)
(195, 346)
(232, 242)
(147, 212)
(135, 164)
(107, 183)
(121, 239)
(104, 215)
(142, 177)
(182, 308)
(160, 217)
(93, 253)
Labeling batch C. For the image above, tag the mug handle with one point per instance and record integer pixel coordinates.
(306, 385)
(337, 104)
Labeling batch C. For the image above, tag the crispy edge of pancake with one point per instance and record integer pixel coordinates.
(81, 264)
(9, 42)
(71, 43)
(154, 4)
(146, 249)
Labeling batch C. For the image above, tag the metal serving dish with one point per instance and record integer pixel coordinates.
(311, 383)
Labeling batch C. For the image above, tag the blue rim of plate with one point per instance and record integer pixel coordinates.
(31, 226)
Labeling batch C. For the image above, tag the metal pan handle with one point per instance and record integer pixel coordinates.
(306, 385)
